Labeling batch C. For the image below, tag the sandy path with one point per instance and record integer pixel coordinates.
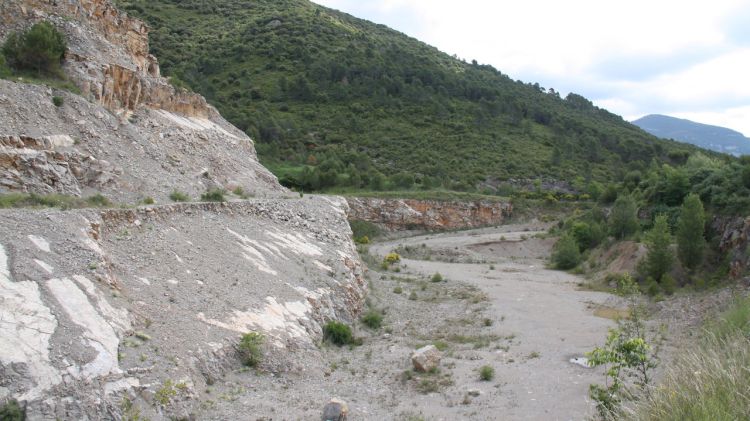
(551, 319)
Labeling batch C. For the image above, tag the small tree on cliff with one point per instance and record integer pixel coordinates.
(39, 49)
(690, 240)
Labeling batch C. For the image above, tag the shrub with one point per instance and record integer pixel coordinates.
(250, 349)
(392, 258)
(4, 70)
(98, 200)
(12, 411)
(214, 195)
(623, 221)
(362, 240)
(364, 229)
(413, 296)
(372, 319)
(486, 373)
(149, 201)
(178, 196)
(437, 278)
(338, 333)
(40, 49)
(398, 290)
(58, 101)
(566, 254)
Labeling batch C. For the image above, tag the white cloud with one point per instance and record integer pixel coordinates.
(637, 57)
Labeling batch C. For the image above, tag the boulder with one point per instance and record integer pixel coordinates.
(335, 410)
(426, 358)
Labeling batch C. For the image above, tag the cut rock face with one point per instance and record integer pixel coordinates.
(426, 359)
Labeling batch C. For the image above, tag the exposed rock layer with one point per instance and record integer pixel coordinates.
(120, 301)
(401, 214)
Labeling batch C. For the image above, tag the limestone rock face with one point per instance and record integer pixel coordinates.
(426, 358)
(102, 306)
(134, 135)
(734, 241)
(401, 214)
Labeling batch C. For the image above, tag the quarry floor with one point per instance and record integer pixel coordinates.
(498, 305)
(546, 318)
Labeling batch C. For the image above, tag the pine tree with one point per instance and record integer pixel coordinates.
(690, 241)
(624, 218)
(659, 258)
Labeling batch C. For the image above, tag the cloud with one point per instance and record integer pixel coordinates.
(636, 57)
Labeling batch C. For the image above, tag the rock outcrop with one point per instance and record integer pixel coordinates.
(134, 135)
(734, 234)
(102, 306)
(408, 214)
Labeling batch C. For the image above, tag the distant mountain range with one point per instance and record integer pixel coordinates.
(715, 138)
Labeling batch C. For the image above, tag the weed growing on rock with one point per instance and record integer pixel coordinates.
(250, 349)
(338, 333)
(398, 290)
(165, 394)
(486, 373)
(392, 258)
(413, 296)
(58, 101)
(98, 200)
(148, 201)
(437, 278)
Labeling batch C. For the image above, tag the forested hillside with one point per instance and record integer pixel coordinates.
(333, 100)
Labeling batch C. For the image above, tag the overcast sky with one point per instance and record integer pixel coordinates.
(684, 58)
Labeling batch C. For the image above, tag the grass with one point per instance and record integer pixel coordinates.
(62, 201)
(178, 196)
(373, 319)
(708, 381)
(12, 411)
(486, 373)
(215, 195)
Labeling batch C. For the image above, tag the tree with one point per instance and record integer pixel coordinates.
(40, 49)
(566, 254)
(690, 226)
(623, 221)
(659, 258)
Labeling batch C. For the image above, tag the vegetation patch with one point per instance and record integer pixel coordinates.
(251, 349)
(338, 333)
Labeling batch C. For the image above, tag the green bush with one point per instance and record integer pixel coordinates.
(178, 196)
(250, 349)
(40, 50)
(372, 319)
(215, 195)
(362, 229)
(4, 69)
(486, 373)
(98, 200)
(566, 254)
(338, 333)
(437, 278)
(12, 411)
(58, 101)
(148, 201)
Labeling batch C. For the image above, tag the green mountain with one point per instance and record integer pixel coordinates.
(715, 138)
(333, 100)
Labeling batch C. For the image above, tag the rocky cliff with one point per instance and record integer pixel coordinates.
(136, 313)
(130, 134)
(407, 214)
(733, 240)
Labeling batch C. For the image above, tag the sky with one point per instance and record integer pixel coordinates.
(683, 58)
